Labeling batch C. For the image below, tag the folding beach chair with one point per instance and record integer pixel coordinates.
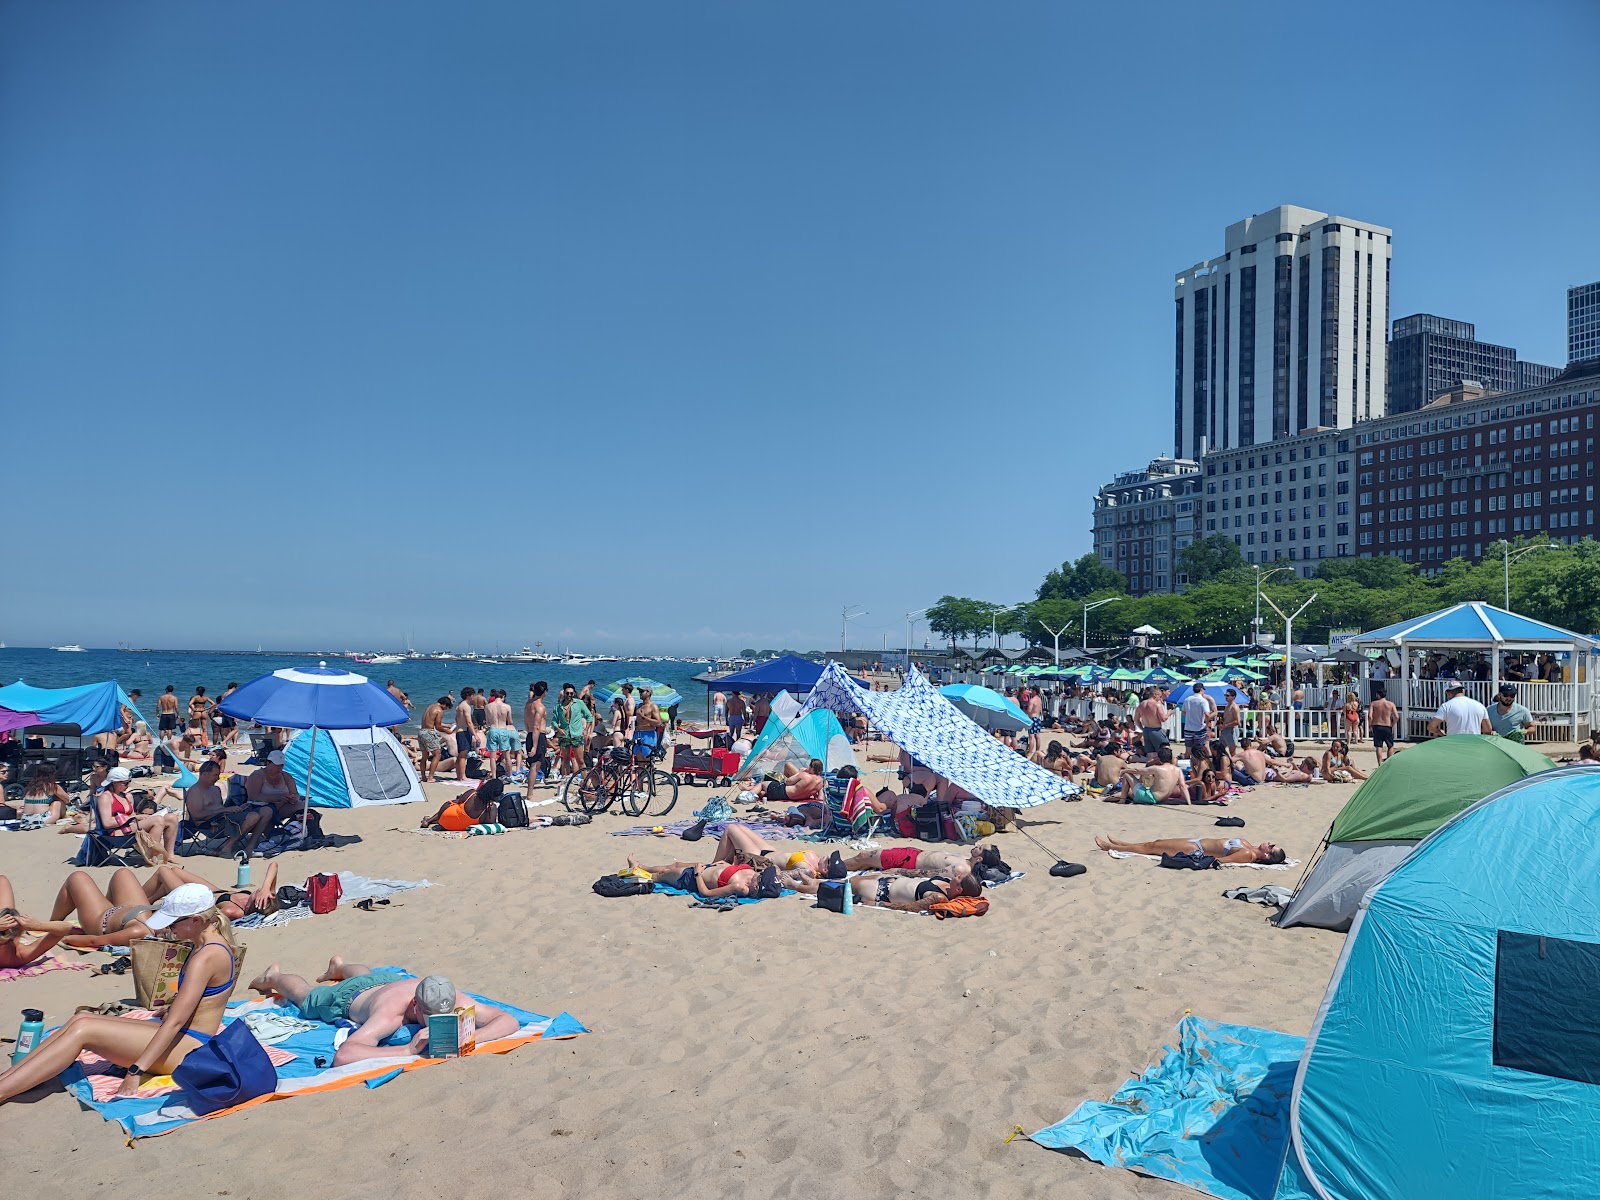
(103, 849)
(848, 818)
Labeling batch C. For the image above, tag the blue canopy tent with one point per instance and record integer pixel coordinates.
(790, 673)
(92, 707)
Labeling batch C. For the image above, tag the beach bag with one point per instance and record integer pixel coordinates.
(622, 885)
(325, 892)
(156, 967)
(230, 1069)
(475, 766)
(513, 810)
(830, 894)
(1189, 861)
(960, 906)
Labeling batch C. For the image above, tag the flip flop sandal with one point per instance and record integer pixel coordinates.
(715, 906)
(1067, 870)
(367, 904)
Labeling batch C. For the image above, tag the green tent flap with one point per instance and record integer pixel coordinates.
(1423, 786)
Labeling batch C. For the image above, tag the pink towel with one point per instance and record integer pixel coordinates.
(42, 966)
(105, 1085)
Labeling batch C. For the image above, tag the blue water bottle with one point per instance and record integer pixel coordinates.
(849, 905)
(242, 877)
(29, 1034)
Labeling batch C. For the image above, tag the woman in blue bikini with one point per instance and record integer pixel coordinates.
(1226, 850)
(190, 1020)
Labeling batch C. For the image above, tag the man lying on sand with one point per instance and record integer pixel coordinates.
(903, 892)
(912, 860)
(1228, 850)
(380, 1002)
(742, 857)
(1252, 765)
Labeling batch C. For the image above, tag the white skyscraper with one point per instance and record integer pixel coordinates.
(1286, 331)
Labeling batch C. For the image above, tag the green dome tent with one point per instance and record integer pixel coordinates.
(1402, 802)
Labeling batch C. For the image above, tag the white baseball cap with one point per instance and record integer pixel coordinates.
(276, 757)
(118, 775)
(185, 900)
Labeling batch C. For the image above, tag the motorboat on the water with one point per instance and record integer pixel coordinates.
(384, 658)
(71, 648)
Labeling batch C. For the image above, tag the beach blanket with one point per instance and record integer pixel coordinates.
(1213, 1115)
(1283, 866)
(353, 887)
(43, 966)
(298, 1073)
(666, 889)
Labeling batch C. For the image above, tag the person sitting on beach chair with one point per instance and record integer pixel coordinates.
(905, 893)
(379, 1003)
(481, 806)
(1224, 850)
(1155, 783)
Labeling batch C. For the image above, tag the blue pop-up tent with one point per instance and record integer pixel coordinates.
(92, 707)
(355, 768)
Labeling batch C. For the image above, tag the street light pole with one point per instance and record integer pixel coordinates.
(1088, 608)
(1056, 633)
(1506, 547)
(911, 619)
(844, 620)
(1255, 630)
(1288, 638)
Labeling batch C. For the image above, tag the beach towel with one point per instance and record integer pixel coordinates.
(298, 1074)
(666, 889)
(43, 966)
(769, 830)
(1283, 866)
(1213, 1115)
(352, 887)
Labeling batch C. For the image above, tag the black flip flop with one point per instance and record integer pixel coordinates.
(1231, 822)
(1066, 870)
(695, 832)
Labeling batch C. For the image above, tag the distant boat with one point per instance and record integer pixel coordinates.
(72, 648)
(382, 658)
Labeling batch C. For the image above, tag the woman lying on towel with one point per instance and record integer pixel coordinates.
(15, 950)
(903, 892)
(742, 858)
(115, 917)
(144, 1048)
(1225, 850)
(478, 807)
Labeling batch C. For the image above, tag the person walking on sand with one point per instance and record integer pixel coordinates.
(533, 721)
(463, 732)
(1382, 717)
(502, 734)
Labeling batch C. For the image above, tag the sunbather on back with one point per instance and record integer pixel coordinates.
(913, 860)
(902, 892)
(710, 881)
(1228, 850)
(380, 1002)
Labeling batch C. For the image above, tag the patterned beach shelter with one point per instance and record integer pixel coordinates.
(946, 741)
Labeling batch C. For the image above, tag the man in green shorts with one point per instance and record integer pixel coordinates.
(378, 1002)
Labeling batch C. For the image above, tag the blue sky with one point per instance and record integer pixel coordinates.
(682, 326)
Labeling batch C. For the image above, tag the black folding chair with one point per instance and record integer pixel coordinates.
(103, 849)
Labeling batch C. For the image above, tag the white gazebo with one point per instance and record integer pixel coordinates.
(1476, 627)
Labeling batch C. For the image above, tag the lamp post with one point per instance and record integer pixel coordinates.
(844, 620)
(994, 622)
(1255, 630)
(1288, 640)
(1088, 608)
(1056, 633)
(1506, 547)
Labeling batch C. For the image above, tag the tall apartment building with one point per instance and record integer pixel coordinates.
(1583, 322)
(1143, 518)
(1430, 355)
(1285, 332)
(1472, 468)
(1291, 500)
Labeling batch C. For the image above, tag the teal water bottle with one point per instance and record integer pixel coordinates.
(242, 877)
(29, 1034)
(849, 905)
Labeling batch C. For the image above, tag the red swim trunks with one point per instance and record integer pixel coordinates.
(900, 858)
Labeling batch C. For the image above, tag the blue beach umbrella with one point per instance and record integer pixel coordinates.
(985, 706)
(313, 698)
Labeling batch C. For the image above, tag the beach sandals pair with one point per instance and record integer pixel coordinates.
(372, 902)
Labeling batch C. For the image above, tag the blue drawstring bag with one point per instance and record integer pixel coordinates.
(229, 1069)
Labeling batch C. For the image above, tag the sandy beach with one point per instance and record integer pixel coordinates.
(772, 1051)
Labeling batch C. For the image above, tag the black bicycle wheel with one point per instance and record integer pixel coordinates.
(590, 789)
(663, 793)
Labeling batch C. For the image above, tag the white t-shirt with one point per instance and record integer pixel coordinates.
(1462, 714)
(1196, 707)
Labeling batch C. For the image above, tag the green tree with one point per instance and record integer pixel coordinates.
(957, 617)
(1210, 558)
(747, 654)
(1382, 571)
(1076, 580)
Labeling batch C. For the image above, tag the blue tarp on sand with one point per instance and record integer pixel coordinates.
(1213, 1114)
(92, 707)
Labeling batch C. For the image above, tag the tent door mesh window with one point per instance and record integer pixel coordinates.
(375, 772)
(1545, 1017)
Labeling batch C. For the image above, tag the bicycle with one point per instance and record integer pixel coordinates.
(632, 780)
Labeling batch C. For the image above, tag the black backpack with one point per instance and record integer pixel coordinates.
(513, 810)
(623, 885)
(1189, 861)
(475, 766)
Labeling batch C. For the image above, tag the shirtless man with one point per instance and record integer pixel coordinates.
(912, 860)
(797, 785)
(630, 706)
(647, 718)
(434, 737)
(463, 732)
(762, 711)
(719, 708)
(736, 711)
(1382, 717)
(394, 690)
(1252, 766)
(502, 734)
(1228, 850)
(1153, 783)
(1151, 716)
(533, 720)
(1228, 723)
(1110, 765)
(167, 708)
(380, 1002)
(903, 892)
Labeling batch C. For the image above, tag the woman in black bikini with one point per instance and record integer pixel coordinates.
(115, 917)
(192, 1018)
(894, 891)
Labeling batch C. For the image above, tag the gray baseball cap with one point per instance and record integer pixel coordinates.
(435, 995)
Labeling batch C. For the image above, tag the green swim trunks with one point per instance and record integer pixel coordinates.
(1143, 795)
(330, 1003)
